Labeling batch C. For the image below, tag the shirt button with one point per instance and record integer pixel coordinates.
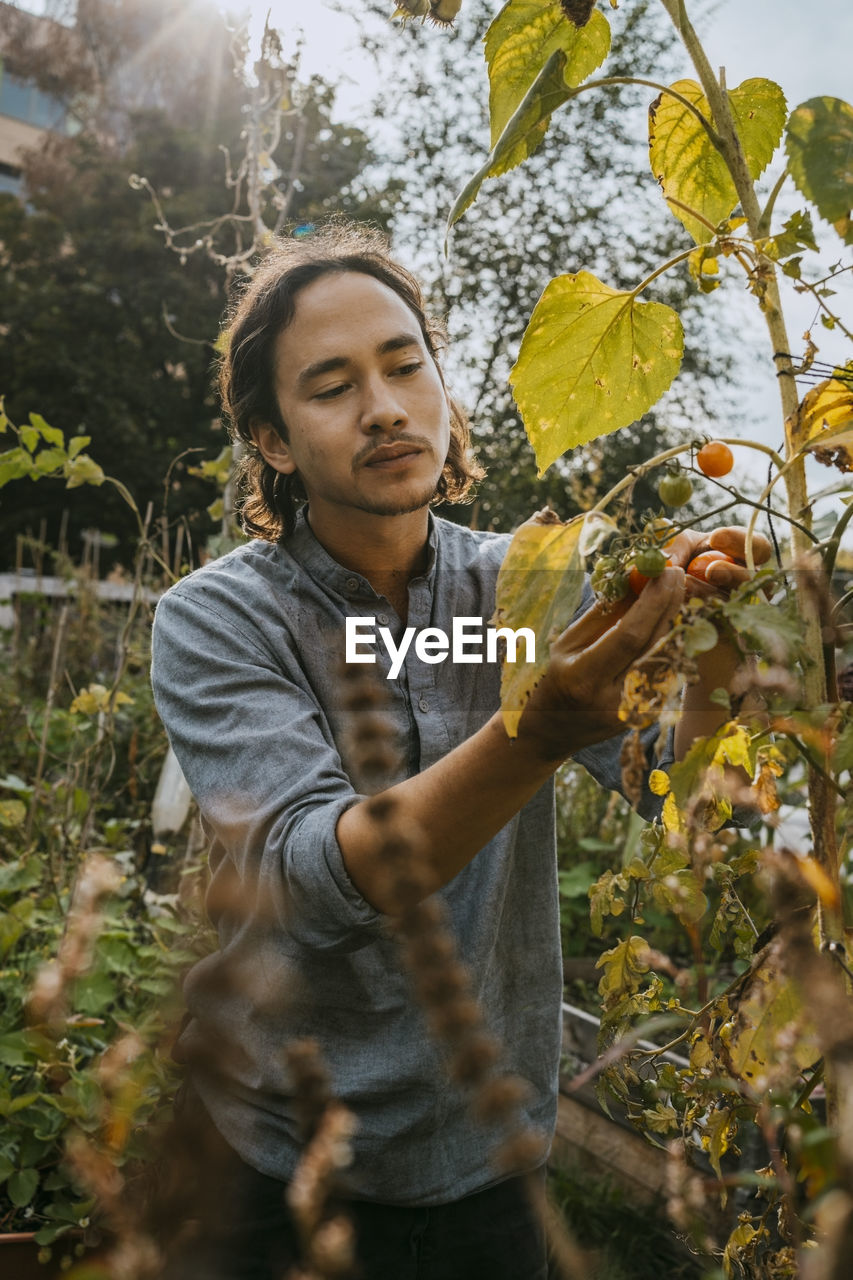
(423, 704)
(382, 619)
(352, 584)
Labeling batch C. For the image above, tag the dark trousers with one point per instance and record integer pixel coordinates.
(240, 1227)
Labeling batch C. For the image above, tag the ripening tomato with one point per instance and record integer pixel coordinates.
(715, 459)
(699, 565)
(675, 489)
(649, 562)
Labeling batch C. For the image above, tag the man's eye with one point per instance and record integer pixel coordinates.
(409, 368)
(331, 392)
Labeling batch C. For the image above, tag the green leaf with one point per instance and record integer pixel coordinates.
(29, 437)
(523, 133)
(593, 359)
(50, 1233)
(700, 636)
(14, 464)
(94, 993)
(52, 435)
(12, 813)
(22, 1186)
(10, 931)
(797, 233)
(6, 1167)
(576, 881)
(540, 585)
(48, 460)
(685, 161)
(819, 143)
(520, 41)
(76, 443)
(83, 470)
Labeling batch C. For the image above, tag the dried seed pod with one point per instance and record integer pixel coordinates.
(578, 12)
(475, 1056)
(524, 1150)
(499, 1098)
(443, 12)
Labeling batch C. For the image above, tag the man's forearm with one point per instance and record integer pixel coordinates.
(460, 802)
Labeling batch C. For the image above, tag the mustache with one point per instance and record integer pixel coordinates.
(364, 455)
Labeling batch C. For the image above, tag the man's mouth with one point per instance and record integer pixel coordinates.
(390, 456)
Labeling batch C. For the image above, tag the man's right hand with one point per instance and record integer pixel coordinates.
(576, 703)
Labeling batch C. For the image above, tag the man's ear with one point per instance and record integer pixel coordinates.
(272, 448)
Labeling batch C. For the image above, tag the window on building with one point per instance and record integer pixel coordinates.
(10, 180)
(22, 100)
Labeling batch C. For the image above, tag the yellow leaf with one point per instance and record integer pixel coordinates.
(624, 965)
(537, 58)
(658, 782)
(743, 1235)
(734, 749)
(96, 698)
(593, 359)
(521, 40)
(539, 586)
(824, 423)
(689, 167)
(718, 1132)
(671, 817)
(770, 1038)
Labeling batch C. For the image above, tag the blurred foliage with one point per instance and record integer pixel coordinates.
(104, 332)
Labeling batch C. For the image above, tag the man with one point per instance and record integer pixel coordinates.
(332, 380)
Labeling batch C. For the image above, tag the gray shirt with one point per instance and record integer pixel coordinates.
(245, 657)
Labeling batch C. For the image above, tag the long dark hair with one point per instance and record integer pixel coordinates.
(246, 376)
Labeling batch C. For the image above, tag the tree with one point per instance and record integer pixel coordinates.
(556, 214)
(105, 332)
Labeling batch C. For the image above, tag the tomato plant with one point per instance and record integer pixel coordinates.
(765, 1036)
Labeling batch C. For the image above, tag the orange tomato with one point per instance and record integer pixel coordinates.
(699, 565)
(715, 459)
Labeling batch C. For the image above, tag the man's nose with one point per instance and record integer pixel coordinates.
(381, 409)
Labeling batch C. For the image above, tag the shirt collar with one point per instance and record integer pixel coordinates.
(302, 544)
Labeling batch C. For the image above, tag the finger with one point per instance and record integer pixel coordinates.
(732, 540)
(648, 619)
(685, 546)
(599, 618)
(724, 575)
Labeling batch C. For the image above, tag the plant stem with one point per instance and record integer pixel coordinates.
(822, 802)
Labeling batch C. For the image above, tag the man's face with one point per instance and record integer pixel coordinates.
(365, 408)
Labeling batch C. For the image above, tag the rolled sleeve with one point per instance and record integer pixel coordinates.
(258, 754)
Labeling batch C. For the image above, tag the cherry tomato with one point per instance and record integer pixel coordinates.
(699, 565)
(608, 580)
(675, 489)
(715, 459)
(649, 562)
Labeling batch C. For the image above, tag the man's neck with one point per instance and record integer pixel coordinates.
(386, 550)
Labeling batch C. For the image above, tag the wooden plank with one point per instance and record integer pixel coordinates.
(587, 1139)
